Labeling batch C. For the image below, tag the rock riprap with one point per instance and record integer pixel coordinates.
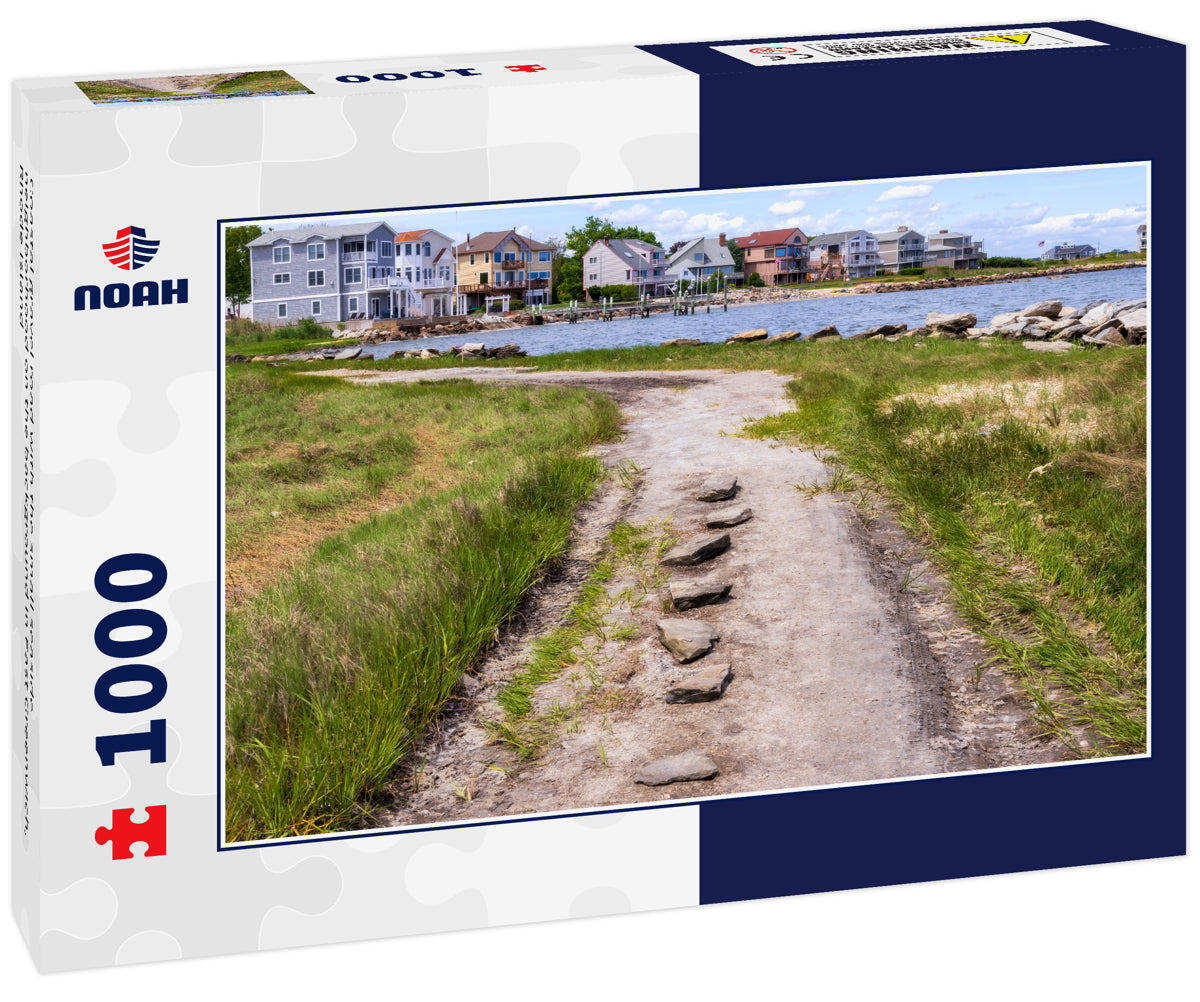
(693, 594)
(744, 336)
(696, 550)
(682, 768)
(686, 639)
(729, 517)
(719, 487)
(703, 687)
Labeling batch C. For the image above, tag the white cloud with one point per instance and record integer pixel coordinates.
(786, 208)
(905, 191)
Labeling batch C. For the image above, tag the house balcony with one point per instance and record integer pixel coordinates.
(417, 284)
(500, 288)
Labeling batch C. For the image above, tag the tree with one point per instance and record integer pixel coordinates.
(237, 263)
(580, 238)
(675, 246)
(754, 280)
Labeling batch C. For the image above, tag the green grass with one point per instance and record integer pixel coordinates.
(1033, 498)
(631, 554)
(261, 82)
(337, 664)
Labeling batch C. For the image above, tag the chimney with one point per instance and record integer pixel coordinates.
(901, 229)
(943, 231)
(721, 239)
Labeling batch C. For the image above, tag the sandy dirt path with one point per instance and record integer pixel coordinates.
(839, 674)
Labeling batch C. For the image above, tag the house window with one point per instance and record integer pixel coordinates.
(697, 257)
(353, 246)
(316, 252)
(483, 278)
(281, 310)
(487, 258)
(316, 278)
(510, 256)
(408, 250)
(283, 255)
(544, 257)
(283, 277)
(591, 260)
(370, 246)
(472, 259)
(316, 307)
(354, 304)
(592, 277)
(385, 248)
(353, 276)
(428, 251)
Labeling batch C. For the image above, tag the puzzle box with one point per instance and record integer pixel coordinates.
(122, 772)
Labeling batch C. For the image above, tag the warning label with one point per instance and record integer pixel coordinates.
(944, 43)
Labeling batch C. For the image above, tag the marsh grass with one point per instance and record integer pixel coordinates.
(338, 663)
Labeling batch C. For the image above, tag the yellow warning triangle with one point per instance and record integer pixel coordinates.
(1015, 39)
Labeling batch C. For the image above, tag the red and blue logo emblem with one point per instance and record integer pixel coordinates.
(131, 250)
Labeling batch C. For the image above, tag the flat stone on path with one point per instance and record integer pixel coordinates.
(696, 550)
(720, 487)
(682, 768)
(728, 518)
(693, 594)
(703, 687)
(686, 639)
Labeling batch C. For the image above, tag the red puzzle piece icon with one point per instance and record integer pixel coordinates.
(124, 832)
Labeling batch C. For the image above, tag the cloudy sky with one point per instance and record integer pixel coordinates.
(1011, 213)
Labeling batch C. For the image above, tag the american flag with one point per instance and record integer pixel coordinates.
(1041, 243)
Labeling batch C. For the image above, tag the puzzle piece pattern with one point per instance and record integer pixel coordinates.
(128, 461)
(125, 832)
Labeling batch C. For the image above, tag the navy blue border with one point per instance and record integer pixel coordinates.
(957, 825)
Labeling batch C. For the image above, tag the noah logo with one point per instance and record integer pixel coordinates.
(131, 250)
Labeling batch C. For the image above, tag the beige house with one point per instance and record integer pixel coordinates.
(900, 249)
(846, 254)
(946, 249)
(504, 263)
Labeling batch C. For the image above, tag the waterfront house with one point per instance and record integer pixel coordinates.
(946, 249)
(846, 254)
(779, 257)
(1069, 252)
(900, 250)
(351, 271)
(626, 262)
(1141, 237)
(503, 263)
(701, 258)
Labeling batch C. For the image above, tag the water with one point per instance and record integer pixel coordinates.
(851, 314)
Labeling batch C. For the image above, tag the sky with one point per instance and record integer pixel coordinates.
(1010, 212)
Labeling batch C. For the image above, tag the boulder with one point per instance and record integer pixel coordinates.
(347, 354)
(1134, 322)
(1127, 305)
(703, 687)
(1046, 308)
(1097, 315)
(696, 550)
(1069, 333)
(755, 335)
(1063, 323)
(1109, 337)
(883, 330)
(1050, 346)
(429, 353)
(784, 336)
(1003, 319)
(954, 322)
(685, 767)
(829, 333)
(472, 347)
(727, 518)
(686, 639)
(693, 594)
(679, 341)
(718, 487)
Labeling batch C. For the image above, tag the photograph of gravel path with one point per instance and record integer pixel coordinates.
(466, 584)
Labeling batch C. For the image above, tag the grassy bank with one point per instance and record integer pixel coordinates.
(1027, 475)
(1025, 472)
(377, 537)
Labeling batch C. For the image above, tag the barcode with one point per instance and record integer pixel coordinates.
(884, 48)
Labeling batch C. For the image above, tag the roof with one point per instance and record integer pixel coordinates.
(489, 241)
(629, 250)
(711, 247)
(836, 238)
(327, 230)
(949, 236)
(897, 234)
(763, 238)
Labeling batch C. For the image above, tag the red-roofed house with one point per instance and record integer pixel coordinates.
(779, 257)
